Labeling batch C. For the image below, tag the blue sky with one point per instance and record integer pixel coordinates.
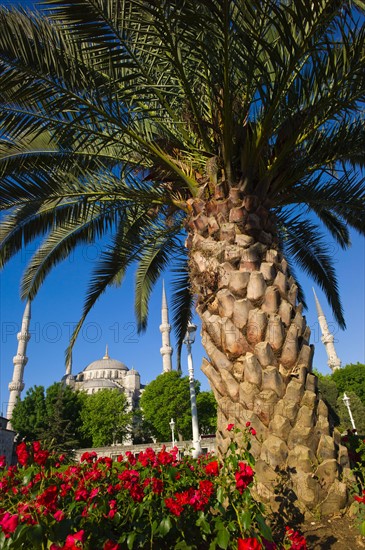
(59, 303)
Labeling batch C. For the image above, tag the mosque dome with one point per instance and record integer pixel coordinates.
(106, 363)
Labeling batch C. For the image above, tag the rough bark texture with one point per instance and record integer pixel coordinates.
(260, 358)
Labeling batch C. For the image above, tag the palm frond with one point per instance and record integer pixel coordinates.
(313, 256)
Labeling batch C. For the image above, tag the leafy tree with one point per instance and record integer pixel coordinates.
(52, 416)
(62, 425)
(351, 378)
(167, 397)
(105, 418)
(237, 128)
(207, 412)
(29, 414)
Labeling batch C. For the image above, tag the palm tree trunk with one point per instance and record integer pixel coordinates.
(260, 359)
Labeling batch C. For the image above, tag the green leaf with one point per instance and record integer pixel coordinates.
(220, 494)
(182, 546)
(265, 531)
(223, 538)
(362, 529)
(36, 535)
(130, 540)
(203, 524)
(246, 520)
(165, 526)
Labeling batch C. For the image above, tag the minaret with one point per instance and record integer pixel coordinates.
(16, 386)
(333, 362)
(165, 328)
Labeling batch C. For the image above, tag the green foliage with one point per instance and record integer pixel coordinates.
(29, 414)
(207, 412)
(351, 378)
(357, 410)
(166, 397)
(53, 417)
(105, 418)
(105, 138)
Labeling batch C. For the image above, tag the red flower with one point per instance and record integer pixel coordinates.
(111, 545)
(136, 493)
(59, 515)
(40, 457)
(89, 457)
(206, 487)
(298, 542)
(244, 477)
(248, 424)
(230, 427)
(8, 523)
(2, 461)
(94, 492)
(36, 446)
(131, 458)
(22, 454)
(174, 507)
(157, 486)
(71, 540)
(249, 544)
(253, 431)
(81, 494)
(360, 499)
(48, 498)
(212, 469)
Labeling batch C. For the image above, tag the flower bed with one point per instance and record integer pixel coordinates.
(150, 501)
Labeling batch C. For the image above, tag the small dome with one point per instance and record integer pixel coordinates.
(106, 363)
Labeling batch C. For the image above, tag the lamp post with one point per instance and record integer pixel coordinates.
(188, 341)
(346, 400)
(172, 428)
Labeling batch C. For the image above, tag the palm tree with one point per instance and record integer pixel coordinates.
(220, 138)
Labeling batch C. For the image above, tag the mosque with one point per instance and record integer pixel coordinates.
(104, 373)
(111, 373)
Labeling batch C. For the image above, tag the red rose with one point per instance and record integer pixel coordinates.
(174, 507)
(48, 498)
(248, 424)
(89, 457)
(71, 540)
(59, 515)
(249, 544)
(8, 523)
(212, 469)
(298, 542)
(40, 457)
(36, 446)
(230, 427)
(2, 461)
(22, 454)
(244, 477)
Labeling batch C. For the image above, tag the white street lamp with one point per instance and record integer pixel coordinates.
(188, 341)
(172, 428)
(346, 400)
